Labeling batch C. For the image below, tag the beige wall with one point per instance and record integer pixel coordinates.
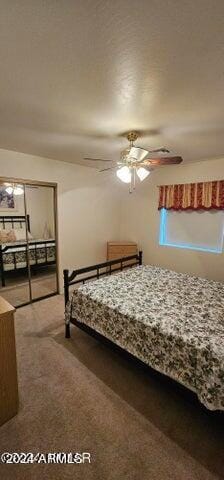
(40, 207)
(88, 206)
(94, 208)
(140, 220)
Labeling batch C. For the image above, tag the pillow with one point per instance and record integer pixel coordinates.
(11, 236)
(7, 236)
(20, 234)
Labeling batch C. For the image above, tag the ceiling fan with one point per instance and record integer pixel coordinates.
(136, 161)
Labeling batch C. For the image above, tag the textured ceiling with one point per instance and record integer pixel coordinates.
(76, 75)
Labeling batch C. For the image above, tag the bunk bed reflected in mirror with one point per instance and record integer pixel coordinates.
(28, 242)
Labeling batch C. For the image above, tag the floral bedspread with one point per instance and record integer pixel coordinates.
(171, 321)
(39, 252)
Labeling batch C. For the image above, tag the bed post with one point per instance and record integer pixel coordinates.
(28, 222)
(66, 288)
(66, 292)
(2, 267)
(67, 330)
(140, 257)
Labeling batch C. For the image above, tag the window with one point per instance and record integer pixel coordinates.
(195, 230)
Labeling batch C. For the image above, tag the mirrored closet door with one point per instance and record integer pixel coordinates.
(41, 240)
(14, 283)
(28, 241)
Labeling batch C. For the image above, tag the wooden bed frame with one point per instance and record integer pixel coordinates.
(71, 278)
(15, 220)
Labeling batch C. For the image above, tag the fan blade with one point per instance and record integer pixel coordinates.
(97, 159)
(137, 153)
(105, 169)
(158, 150)
(163, 161)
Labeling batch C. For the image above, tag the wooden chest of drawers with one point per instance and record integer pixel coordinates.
(8, 371)
(121, 249)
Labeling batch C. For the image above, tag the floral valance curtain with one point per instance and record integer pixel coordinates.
(194, 196)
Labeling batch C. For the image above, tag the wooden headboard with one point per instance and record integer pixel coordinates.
(14, 221)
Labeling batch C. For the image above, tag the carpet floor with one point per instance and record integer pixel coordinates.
(78, 395)
(19, 293)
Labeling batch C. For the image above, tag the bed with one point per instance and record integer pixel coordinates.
(172, 322)
(13, 254)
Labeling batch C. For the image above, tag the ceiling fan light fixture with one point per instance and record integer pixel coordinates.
(18, 190)
(124, 174)
(133, 160)
(138, 153)
(14, 188)
(142, 173)
(9, 190)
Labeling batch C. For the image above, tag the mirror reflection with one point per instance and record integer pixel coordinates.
(28, 266)
(41, 239)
